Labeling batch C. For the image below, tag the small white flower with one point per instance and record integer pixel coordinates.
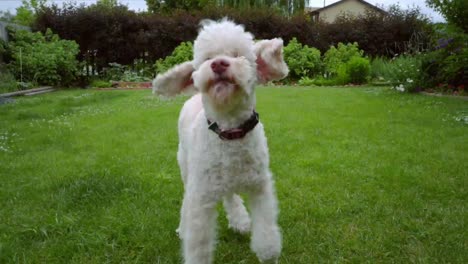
(400, 88)
(409, 80)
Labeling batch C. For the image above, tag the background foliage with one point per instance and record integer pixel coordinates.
(358, 69)
(337, 56)
(43, 58)
(302, 60)
(107, 35)
(182, 53)
(286, 7)
(454, 11)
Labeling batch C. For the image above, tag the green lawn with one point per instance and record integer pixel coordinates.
(362, 174)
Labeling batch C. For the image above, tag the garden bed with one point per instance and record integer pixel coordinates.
(128, 86)
(132, 85)
(463, 97)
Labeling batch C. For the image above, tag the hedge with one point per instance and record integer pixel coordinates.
(120, 35)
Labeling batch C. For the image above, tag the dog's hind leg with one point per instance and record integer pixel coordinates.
(199, 228)
(181, 159)
(266, 236)
(236, 213)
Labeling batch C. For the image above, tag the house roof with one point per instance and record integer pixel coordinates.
(317, 11)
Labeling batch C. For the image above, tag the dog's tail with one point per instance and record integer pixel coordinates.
(175, 81)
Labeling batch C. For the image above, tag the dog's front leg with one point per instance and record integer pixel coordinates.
(266, 236)
(199, 228)
(236, 213)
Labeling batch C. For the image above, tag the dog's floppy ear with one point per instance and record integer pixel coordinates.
(270, 60)
(174, 81)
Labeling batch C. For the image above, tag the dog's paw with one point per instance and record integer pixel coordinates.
(241, 225)
(179, 232)
(270, 261)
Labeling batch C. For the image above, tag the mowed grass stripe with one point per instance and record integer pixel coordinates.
(362, 175)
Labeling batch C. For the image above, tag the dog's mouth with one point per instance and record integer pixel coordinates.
(223, 79)
(222, 88)
(220, 82)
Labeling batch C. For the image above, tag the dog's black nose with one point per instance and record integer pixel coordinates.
(219, 66)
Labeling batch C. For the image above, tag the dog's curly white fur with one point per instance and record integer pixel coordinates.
(227, 65)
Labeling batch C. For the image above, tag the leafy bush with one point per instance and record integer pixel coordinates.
(118, 72)
(335, 57)
(181, 54)
(446, 65)
(404, 73)
(379, 68)
(306, 81)
(7, 81)
(3, 49)
(132, 76)
(358, 69)
(302, 60)
(114, 72)
(454, 11)
(320, 81)
(120, 35)
(342, 75)
(44, 59)
(100, 84)
(144, 68)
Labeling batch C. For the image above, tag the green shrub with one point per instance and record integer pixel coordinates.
(100, 84)
(302, 60)
(318, 81)
(3, 49)
(379, 68)
(306, 81)
(132, 76)
(404, 73)
(44, 58)
(358, 70)
(114, 72)
(182, 53)
(355, 71)
(343, 64)
(144, 68)
(334, 57)
(342, 75)
(138, 72)
(446, 66)
(7, 80)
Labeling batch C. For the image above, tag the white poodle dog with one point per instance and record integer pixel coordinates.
(222, 145)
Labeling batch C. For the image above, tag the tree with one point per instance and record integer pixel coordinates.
(26, 13)
(157, 6)
(288, 7)
(44, 58)
(108, 3)
(6, 16)
(454, 11)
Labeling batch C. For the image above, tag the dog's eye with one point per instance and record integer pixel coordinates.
(208, 58)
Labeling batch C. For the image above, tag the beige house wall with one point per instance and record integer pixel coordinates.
(347, 7)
